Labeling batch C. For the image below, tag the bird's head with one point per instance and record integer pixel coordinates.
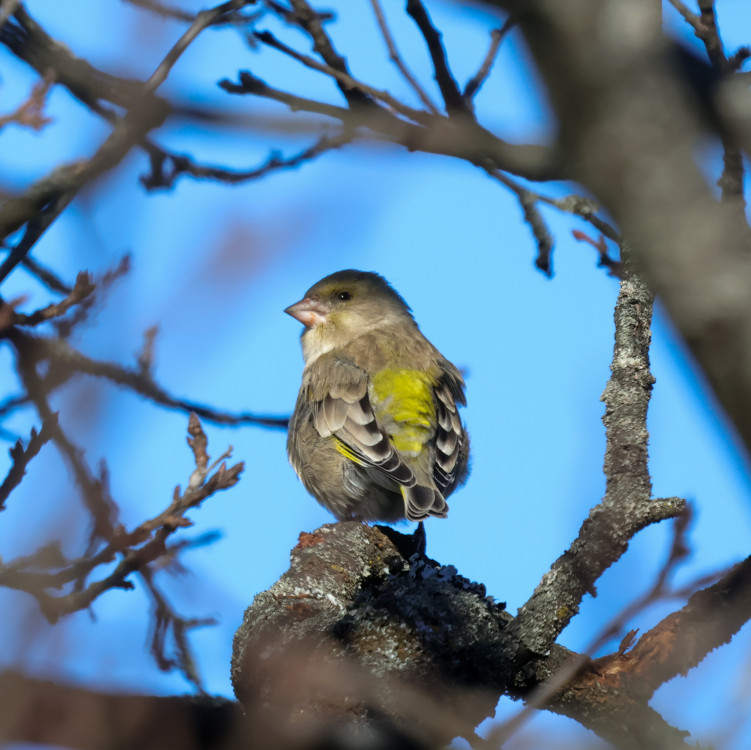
(345, 305)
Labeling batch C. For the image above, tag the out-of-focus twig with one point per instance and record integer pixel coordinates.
(397, 59)
(20, 457)
(452, 97)
(30, 114)
(82, 289)
(496, 37)
(167, 167)
(38, 574)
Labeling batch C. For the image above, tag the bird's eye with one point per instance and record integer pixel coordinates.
(343, 296)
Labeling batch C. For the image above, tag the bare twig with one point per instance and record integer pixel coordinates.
(30, 114)
(83, 288)
(311, 22)
(145, 357)
(528, 201)
(461, 138)
(604, 260)
(167, 167)
(167, 622)
(705, 27)
(20, 457)
(496, 37)
(452, 97)
(45, 275)
(397, 59)
(659, 591)
(137, 548)
(95, 493)
(688, 16)
(46, 199)
(574, 204)
(345, 80)
(64, 326)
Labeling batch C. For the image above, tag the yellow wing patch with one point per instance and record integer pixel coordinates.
(407, 397)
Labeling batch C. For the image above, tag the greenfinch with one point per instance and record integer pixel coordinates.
(375, 435)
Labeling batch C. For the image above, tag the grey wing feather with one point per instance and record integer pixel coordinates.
(345, 412)
(450, 437)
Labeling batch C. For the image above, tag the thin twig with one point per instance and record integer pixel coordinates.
(65, 358)
(311, 22)
(44, 201)
(166, 621)
(137, 548)
(83, 288)
(30, 114)
(20, 457)
(659, 591)
(573, 204)
(51, 280)
(397, 59)
(496, 37)
(167, 167)
(452, 97)
(344, 79)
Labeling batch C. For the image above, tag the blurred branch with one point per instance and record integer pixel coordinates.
(463, 139)
(45, 275)
(83, 288)
(397, 59)
(95, 493)
(311, 22)
(48, 713)
(167, 622)
(37, 574)
(452, 97)
(167, 167)
(66, 359)
(679, 642)
(30, 114)
(692, 250)
(496, 37)
(46, 199)
(20, 458)
(706, 29)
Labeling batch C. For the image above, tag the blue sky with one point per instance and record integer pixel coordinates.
(214, 267)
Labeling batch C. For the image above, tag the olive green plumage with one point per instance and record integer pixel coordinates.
(375, 434)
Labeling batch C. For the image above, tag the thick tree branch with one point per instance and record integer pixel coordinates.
(48, 713)
(627, 506)
(414, 643)
(682, 640)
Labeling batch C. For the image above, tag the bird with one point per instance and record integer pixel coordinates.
(375, 434)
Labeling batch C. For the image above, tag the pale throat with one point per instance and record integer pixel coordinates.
(322, 338)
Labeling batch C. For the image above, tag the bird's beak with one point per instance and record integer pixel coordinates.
(310, 312)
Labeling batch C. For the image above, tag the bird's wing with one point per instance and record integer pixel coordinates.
(345, 413)
(450, 437)
(343, 410)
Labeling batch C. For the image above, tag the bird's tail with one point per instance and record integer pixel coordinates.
(421, 502)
